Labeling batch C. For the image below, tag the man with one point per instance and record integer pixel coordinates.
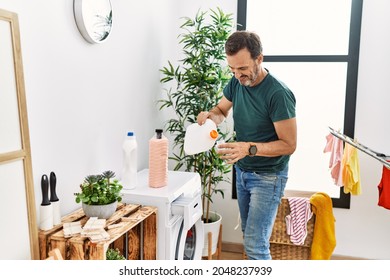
(266, 133)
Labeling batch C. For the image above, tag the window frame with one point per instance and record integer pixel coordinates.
(352, 60)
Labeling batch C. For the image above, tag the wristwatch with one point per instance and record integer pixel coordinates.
(252, 150)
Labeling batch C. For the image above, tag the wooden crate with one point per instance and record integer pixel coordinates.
(127, 237)
(45, 235)
(57, 240)
(130, 222)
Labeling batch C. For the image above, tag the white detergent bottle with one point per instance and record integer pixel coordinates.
(129, 172)
(200, 138)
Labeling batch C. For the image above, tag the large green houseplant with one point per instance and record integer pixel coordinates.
(196, 85)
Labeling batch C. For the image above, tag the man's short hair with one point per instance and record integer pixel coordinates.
(244, 40)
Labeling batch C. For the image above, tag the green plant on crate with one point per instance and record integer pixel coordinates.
(196, 85)
(114, 254)
(101, 189)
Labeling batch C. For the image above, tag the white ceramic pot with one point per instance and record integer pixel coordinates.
(100, 211)
(214, 228)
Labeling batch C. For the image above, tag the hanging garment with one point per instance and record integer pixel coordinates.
(324, 236)
(351, 170)
(384, 189)
(334, 145)
(296, 221)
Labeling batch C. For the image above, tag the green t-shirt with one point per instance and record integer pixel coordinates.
(255, 109)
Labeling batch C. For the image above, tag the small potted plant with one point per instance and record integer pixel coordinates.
(99, 195)
(114, 255)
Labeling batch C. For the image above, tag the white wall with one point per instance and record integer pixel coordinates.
(82, 98)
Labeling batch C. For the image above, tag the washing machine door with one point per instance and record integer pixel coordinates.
(190, 242)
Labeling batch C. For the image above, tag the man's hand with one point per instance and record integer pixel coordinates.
(232, 152)
(202, 117)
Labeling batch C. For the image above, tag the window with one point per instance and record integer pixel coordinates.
(313, 46)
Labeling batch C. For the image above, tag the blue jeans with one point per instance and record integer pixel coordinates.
(259, 195)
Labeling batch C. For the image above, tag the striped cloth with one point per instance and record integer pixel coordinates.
(296, 221)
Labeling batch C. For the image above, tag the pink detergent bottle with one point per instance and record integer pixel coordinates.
(158, 160)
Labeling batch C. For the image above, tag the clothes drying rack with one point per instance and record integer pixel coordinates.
(378, 156)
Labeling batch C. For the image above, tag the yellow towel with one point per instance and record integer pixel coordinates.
(324, 238)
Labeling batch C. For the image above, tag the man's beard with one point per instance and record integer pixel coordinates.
(250, 80)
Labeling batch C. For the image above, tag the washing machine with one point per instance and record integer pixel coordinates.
(180, 234)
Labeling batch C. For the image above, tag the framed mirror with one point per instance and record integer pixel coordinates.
(93, 19)
(18, 213)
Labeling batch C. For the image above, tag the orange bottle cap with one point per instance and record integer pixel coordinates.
(213, 134)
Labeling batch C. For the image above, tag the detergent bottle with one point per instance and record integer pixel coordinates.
(158, 160)
(200, 138)
(129, 171)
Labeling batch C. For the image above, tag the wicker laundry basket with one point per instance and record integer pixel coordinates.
(281, 246)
